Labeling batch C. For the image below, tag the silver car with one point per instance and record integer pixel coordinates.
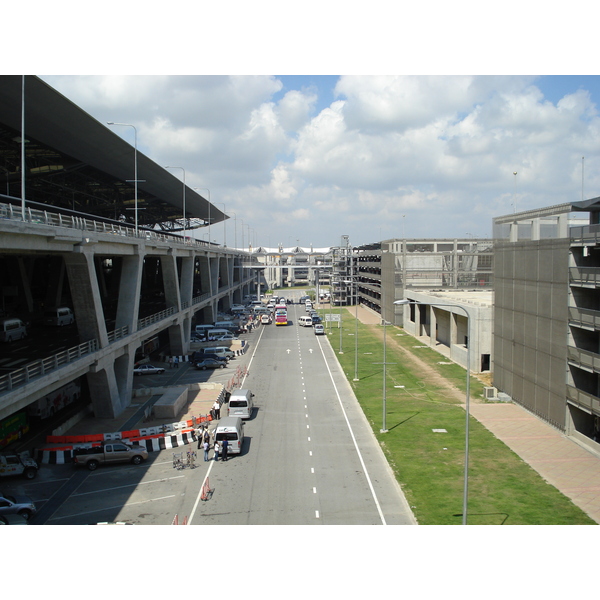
(19, 505)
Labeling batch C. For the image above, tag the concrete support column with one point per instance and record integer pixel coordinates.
(186, 288)
(535, 228)
(170, 281)
(563, 226)
(432, 327)
(55, 283)
(173, 300)
(24, 281)
(86, 295)
(514, 232)
(123, 369)
(104, 392)
(418, 331)
(129, 292)
(453, 330)
(204, 268)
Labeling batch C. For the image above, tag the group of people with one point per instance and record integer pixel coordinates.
(204, 441)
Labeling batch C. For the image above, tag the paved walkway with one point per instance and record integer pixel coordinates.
(562, 462)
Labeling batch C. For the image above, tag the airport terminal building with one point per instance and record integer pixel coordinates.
(89, 223)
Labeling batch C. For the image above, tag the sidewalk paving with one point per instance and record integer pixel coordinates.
(562, 462)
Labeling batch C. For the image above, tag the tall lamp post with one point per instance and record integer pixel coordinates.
(224, 225)
(184, 238)
(467, 398)
(355, 327)
(384, 428)
(135, 176)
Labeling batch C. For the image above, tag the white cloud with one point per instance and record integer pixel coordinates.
(433, 155)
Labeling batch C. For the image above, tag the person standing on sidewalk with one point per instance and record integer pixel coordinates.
(217, 409)
(217, 448)
(206, 446)
(225, 445)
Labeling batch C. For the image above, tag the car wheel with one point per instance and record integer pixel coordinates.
(92, 465)
(30, 473)
(136, 460)
(221, 366)
(204, 368)
(26, 514)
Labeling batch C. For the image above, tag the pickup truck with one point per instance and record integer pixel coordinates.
(109, 453)
(18, 464)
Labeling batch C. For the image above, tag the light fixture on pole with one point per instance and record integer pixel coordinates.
(355, 327)
(224, 224)
(135, 175)
(208, 211)
(184, 238)
(468, 394)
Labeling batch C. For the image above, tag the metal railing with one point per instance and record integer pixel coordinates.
(42, 367)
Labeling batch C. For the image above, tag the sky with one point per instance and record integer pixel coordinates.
(296, 155)
(303, 160)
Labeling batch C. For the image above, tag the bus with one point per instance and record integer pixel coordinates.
(281, 314)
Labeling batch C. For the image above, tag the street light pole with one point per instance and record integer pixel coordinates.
(135, 175)
(467, 399)
(184, 238)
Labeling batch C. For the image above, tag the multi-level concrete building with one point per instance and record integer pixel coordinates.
(451, 281)
(546, 317)
(79, 229)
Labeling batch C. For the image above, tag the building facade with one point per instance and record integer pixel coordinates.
(547, 318)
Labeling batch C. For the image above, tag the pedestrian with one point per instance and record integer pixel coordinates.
(176, 362)
(225, 445)
(206, 447)
(199, 438)
(217, 448)
(217, 409)
(206, 435)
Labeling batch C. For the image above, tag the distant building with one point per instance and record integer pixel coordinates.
(439, 274)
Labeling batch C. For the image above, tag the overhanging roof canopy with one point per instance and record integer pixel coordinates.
(73, 161)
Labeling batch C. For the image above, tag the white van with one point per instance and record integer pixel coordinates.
(221, 351)
(59, 316)
(232, 430)
(241, 404)
(12, 329)
(216, 332)
(305, 321)
(203, 329)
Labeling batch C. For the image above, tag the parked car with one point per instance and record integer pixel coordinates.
(147, 370)
(226, 337)
(319, 329)
(13, 520)
(210, 363)
(17, 505)
(198, 356)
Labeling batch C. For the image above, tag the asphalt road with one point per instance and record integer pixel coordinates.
(309, 457)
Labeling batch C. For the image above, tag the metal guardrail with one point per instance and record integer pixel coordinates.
(41, 367)
(41, 217)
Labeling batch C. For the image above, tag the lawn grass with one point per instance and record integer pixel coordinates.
(429, 466)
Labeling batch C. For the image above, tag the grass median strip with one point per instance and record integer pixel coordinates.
(423, 399)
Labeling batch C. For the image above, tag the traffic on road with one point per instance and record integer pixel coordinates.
(306, 453)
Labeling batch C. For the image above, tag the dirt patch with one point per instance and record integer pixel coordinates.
(431, 374)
